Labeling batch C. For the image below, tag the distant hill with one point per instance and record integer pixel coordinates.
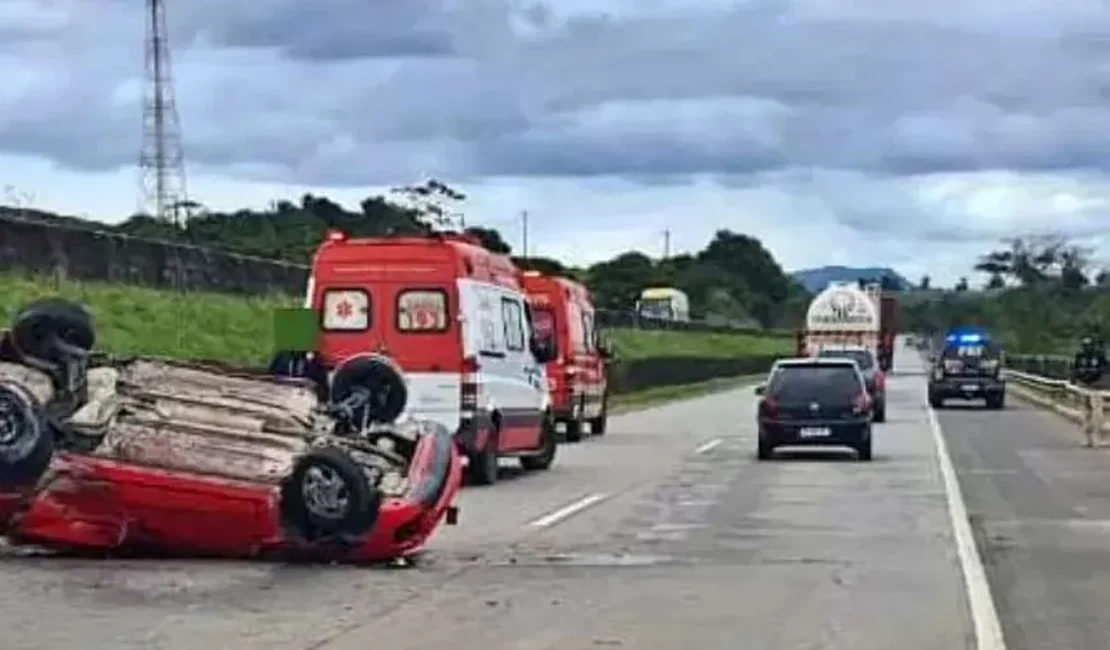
(819, 278)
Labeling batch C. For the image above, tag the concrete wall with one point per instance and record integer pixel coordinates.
(78, 254)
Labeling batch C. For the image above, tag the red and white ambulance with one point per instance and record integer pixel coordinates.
(455, 318)
(564, 319)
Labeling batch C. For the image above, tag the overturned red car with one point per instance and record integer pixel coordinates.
(158, 456)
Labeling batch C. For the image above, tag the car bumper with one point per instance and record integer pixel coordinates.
(816, 433)
(967, 387)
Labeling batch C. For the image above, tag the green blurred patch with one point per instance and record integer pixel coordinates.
(296, 330)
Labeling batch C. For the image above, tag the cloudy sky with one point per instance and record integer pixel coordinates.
(861, 132)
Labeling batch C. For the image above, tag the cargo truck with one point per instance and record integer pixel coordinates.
(847, 314)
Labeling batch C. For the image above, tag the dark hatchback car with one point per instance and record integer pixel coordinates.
(970, 370)
(814, 402)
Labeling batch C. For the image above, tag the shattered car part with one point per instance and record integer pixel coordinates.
(194, 459)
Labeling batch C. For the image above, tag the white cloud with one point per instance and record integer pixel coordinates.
(838, 131)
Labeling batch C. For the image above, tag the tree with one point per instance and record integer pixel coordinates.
(996, 281)
(925, 282)
(491, 239)
(961, 285)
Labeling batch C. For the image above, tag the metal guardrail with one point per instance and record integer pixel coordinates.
(1080, 404)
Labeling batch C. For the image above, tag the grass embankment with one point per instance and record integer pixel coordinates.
(239, 329)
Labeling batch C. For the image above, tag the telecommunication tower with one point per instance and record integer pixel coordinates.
(162, 160)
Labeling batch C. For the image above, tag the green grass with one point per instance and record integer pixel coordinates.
(239, 329)
(657, 396)
(642, 344)
(136, 320)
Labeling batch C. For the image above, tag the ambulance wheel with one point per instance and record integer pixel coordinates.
(482, 466)
(328, 495)
(598, 424)
(26, 438)
(545, 455)
(574, 430)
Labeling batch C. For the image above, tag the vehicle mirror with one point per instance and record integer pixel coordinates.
(760, 389)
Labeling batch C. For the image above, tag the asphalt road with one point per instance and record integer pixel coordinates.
(1040, 506)
(666, 533)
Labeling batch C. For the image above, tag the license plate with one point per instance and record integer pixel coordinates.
(814, 432)
(970, 388)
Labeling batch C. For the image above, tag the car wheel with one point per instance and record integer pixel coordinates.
(26, 438)
(598, 424)
(545, 455)
(863, 449)
(936, 402)
(996, 402)
(328, 495)
(378, 375)
(53, 330)
(765, 450)
(482, 467)
(880, 413)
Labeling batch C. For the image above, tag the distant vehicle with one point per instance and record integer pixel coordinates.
(664, 303)
(814, 402)
(873, 375)
(847, 314)
(968, 366)
(455, 318)
(576, 375)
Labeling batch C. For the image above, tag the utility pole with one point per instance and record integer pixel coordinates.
(667, 244)
(524, 231)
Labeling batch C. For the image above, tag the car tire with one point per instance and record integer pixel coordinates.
(39, 328)
(377, 374)
(863, 449)
(598, 424)
(765, 450)
(26, 438)
(880, 413)
(936, 402)
(482, 467)
(545, 455)
(996, 403)
(328, 495)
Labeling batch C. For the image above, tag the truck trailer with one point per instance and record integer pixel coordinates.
(847, 314)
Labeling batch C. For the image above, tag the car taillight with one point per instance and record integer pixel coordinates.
(861, 404)
(768, 407)
(468, 387)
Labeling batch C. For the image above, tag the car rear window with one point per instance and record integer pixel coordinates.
(422, 310)
(862, 358)
(816, 382)
(346, 310)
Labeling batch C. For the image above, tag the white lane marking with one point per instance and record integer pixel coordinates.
(984, 615)
(708, 446)
(555, 516)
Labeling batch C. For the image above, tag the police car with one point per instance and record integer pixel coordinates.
(969, 367)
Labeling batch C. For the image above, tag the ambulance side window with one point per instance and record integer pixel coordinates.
(588, 337)
(513, 316)
(488, 330)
